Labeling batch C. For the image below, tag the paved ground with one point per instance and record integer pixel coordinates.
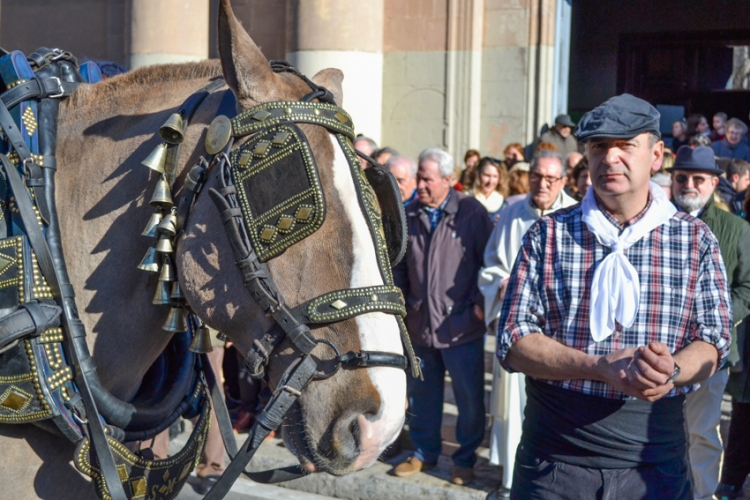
(377, 482)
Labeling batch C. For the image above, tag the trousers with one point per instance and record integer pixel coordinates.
(737, 461)
(702, 419)
(465, 363)
(537, 479)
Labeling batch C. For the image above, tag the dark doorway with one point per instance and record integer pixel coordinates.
(688, 69)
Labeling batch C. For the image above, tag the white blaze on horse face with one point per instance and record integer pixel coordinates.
(377, 331)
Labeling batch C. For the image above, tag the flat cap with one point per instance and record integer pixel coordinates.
(621, 117)
(564, 120)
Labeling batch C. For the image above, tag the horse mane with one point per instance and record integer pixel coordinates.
(113, 87)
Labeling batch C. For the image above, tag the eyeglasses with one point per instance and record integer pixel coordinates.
(697, 179)
(536, 178)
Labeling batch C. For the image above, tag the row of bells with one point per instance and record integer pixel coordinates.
(163, 226)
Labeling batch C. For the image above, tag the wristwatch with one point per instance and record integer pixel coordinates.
(675, 373)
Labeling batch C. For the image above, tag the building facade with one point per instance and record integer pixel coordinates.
(457, 74)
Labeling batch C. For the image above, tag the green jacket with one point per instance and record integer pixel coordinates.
(733, 234)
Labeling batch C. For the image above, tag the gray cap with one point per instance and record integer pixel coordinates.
(565, 121)
(621, 117)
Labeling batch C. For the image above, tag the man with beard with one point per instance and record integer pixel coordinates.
(695, 175)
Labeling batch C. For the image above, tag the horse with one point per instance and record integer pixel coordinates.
(339, 425)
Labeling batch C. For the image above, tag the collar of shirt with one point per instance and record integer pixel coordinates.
(436, 213)
(615, 222)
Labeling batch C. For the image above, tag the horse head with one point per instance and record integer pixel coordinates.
(343, 423)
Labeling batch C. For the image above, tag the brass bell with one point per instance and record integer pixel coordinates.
(176, 321)
(201, 343)
(172, 130)
(164, 245)
(162, 197)
(176, 291)
(161, 298)
(153, 223)
(168, 224)
(149, 262)
(167, 271)
(157, 159)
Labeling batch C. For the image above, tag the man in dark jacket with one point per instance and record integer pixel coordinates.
(561, 135)
(447, 235)
(695, 175)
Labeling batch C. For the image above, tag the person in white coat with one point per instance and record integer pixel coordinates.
(546, 183)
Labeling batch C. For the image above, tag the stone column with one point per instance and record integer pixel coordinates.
(345, 35)
(464, 76)
(168, 31)
(541, 66)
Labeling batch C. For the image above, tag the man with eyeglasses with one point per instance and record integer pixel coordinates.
(546, 194)
(616, 308)
(695, 176)
(732, 146)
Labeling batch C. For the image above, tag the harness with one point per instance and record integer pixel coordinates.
(47, 375)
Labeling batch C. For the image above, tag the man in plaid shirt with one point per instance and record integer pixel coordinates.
(616, 308)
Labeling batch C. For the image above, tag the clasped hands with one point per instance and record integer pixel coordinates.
(642, 372)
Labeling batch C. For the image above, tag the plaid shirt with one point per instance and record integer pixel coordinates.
(684, 293)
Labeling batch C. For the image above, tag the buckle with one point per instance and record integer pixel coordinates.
(60, 90)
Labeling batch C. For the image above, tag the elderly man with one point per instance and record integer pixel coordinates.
(694, 178)
(561, 135)
(404, 170)
(447, 235)
(732, 145)
(616, 308)
(546, 181)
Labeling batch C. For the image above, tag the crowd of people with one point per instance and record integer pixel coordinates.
(628, 252)
(629, 261)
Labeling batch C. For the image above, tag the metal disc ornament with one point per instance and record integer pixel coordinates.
(218, 134)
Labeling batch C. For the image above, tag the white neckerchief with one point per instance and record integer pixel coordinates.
(615, 290)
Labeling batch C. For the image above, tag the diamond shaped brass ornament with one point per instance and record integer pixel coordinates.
(165, 477)
(280, 138)
(268, 234)
(122, 471)
(244, 158)
(303, 213)
(339, 304)
(139, 487)
(342, 117)
(29, 121)
(261, 148)
(285, 222)
(261, 115)
(5, 262)
(15, 399)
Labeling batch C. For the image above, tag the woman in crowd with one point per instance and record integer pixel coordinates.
(471, 160)
(679, 134)
(513, 154)
(518, 183)
(697, 125)
(490, 186)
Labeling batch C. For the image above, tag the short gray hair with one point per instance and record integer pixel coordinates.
(393, 160)
(547, 153)
(442, 158)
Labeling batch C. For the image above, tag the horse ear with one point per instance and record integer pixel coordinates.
(331, 79)
(245, 68)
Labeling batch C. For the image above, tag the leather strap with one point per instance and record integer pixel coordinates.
(38, 88)
(32, 318)
(70, 321)
(290, 388)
